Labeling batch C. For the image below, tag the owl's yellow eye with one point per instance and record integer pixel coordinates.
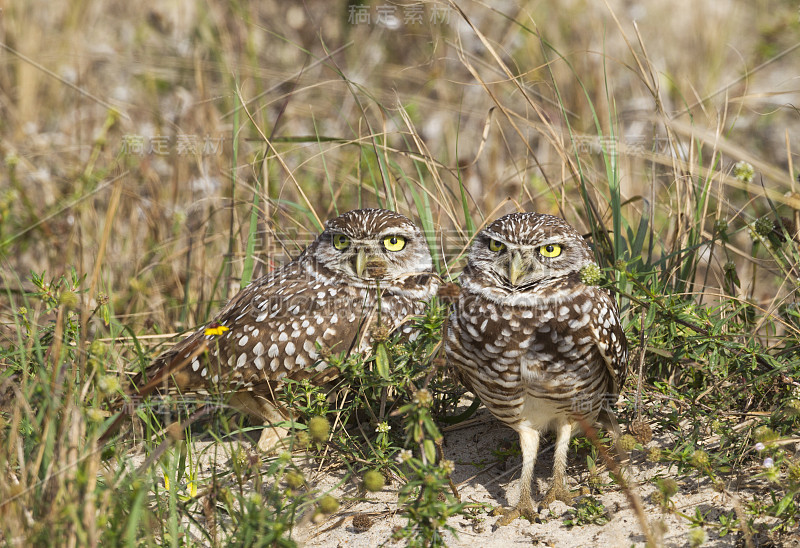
(550, 250)
(496, 246)
(341, 242)
(394, 243)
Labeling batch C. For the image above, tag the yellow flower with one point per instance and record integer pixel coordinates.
(191, 487)
(215, 329)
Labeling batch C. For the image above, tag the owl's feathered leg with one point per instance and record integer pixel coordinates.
(262, 409)
(529, 443)
(558, 490)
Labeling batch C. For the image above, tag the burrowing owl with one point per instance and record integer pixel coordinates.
(325, 298)
(539, 347)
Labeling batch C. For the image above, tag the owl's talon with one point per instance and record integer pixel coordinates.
(557, 492)
(510, 514)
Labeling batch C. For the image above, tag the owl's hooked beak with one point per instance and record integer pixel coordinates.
(361, 262)
(516, 268)
(369, 265)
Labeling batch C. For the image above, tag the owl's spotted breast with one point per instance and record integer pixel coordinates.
(549, 349)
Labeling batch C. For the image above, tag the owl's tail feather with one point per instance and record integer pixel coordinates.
(608, 420)
(163, 368)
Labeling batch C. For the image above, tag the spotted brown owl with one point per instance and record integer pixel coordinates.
(539, 347)
(327, 298)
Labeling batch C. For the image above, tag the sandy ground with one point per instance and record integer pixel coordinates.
(480, 478)
(497, 486)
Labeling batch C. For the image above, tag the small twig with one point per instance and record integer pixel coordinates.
(440, 446)
(737, 507)
(474, 421)
(488, 468)
(614, 467)
(641, 368)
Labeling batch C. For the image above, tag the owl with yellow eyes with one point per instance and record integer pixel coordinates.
(542, 350)
(366, 264)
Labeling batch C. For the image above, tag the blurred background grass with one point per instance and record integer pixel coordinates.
(348, 97)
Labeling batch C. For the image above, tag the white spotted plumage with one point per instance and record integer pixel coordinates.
(275, 327)
(540, 348)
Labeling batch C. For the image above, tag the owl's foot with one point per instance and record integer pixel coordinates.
(523, 509)
(558, 491)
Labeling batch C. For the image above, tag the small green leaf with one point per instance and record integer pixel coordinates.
(650, 317)
(382, 361)
(783, 504)
(430, 426)
(430, 450)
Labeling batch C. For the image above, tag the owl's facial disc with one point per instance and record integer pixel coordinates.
(520, 265)
(364, 259)
(528, 264)
(366, 245)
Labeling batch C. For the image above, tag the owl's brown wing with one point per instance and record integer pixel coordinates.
(610, 338)
(272, 329)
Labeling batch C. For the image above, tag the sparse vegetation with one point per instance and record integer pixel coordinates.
(156, 161)
(587, 510)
